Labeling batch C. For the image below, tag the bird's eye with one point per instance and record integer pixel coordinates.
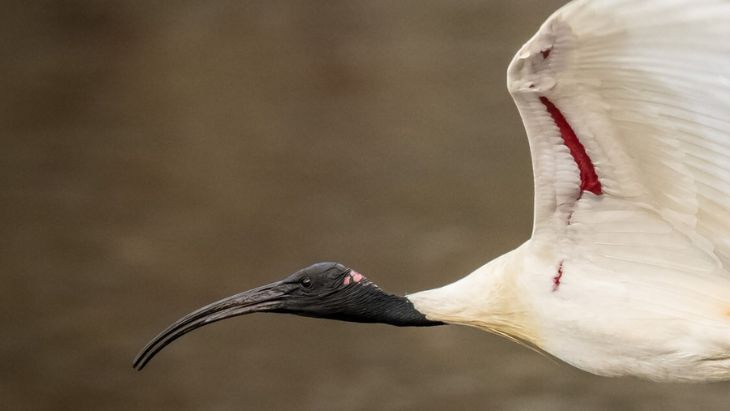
(306, 282)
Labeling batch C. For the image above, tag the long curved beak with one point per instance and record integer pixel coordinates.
(265, 298)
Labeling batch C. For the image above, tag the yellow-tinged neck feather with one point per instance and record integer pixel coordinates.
(489, 299)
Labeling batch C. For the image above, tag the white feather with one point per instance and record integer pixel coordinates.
(644, 287)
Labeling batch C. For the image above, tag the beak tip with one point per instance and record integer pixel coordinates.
(259, 299)
(138, 363)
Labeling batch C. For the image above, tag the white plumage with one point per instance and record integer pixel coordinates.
(626, 273)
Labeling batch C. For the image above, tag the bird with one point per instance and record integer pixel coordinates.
(626, 107)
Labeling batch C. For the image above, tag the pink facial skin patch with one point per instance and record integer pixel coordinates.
(353, 276)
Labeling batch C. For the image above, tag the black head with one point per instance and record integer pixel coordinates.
(322, 290)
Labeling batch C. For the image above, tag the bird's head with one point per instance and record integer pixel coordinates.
(326, 290)
(323, 290)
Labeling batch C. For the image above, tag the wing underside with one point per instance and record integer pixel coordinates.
(628, 103)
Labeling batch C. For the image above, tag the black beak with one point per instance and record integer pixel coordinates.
(265, 298)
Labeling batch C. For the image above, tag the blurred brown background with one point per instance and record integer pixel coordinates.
(159, 155)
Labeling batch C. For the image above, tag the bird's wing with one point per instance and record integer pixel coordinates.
(627, 106)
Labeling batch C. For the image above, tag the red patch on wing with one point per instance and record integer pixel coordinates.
(588, 178)
(546, 53)
(558, 276)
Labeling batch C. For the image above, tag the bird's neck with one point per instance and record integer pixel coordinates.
(489, 298)
(399, 311)
(365, 302)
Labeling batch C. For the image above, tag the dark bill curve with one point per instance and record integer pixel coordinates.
(260, 299)
(323, 290)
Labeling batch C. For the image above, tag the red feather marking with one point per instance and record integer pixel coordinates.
(558, 276)
(588, 178)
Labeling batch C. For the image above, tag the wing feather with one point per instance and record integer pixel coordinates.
(646, 87)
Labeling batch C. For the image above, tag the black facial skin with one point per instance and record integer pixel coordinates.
(323, 290)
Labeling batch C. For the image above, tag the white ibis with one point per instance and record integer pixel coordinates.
(627, 111)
